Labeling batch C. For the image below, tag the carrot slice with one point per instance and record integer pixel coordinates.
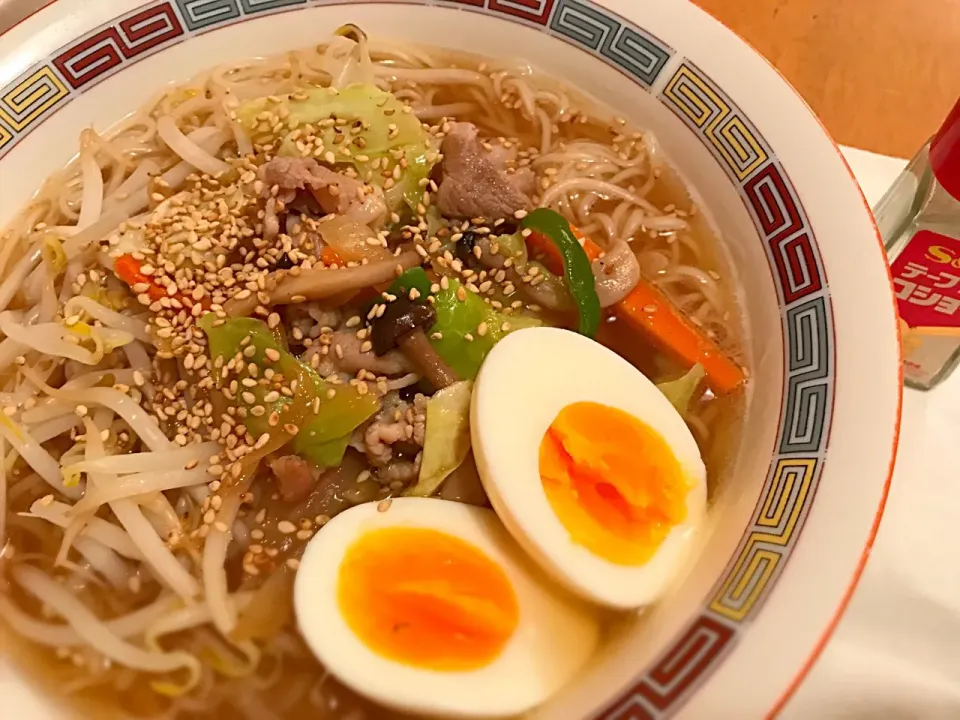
(128, 268)
(547, 252)
(329, 256)
(649, 311)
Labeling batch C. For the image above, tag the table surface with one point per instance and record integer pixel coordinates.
(881, 74)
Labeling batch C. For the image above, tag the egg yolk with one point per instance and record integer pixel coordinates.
(425, 598)
(612, 481)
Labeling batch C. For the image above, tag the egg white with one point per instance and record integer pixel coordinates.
(555, 634)
(525, 381)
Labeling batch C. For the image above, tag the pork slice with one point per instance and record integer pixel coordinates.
(523, 179)
(393, 441)
(335, 192)
(504, 159)
(271, 221)
(295, 477)
(472, 184)
(403, 471)
(354, 359)
(350, 359)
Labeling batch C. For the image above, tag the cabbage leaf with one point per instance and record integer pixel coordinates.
(680, 392)
(447, 440)
(362, 112)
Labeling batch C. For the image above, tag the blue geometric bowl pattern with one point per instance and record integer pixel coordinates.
(742, 152)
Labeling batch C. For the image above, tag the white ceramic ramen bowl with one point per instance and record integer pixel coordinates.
(808, 484)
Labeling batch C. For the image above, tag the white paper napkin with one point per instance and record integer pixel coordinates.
(896, 653)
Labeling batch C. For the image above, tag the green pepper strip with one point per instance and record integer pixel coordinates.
(413, 279)
(577, 272)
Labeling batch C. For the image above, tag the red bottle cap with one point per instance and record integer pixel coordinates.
(945, 153)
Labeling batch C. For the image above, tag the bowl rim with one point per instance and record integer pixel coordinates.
(827, 633)
(831, 627)
(130, 6)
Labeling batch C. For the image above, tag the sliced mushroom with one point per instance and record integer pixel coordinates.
(402, 326)
(616, 273)
(421, 353)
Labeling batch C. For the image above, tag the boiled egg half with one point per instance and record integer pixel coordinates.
(429, 606)
(588, 465)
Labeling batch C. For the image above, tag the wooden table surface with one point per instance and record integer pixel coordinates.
(881, 74)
